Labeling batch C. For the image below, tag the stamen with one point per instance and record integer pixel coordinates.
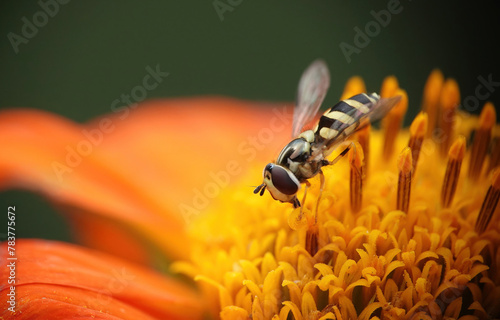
(312, 240)
(404, 180)
(495, 155)
(489, 204)
(449, 100)
(353, 86)
(482, 139)
(432, 92)
(392, 122)
(418, 129)
(357, 171)
(363, 137)
(389, 87)
(450, 181)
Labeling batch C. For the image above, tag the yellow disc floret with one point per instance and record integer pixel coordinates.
(391, 241)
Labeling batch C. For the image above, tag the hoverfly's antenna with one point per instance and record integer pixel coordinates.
(260, 188)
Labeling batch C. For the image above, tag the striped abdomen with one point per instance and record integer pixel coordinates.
(344, 118)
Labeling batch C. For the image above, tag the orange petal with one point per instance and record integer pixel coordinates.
(53, 276)
(41, 301)
(138, 170)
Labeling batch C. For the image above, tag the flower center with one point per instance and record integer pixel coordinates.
(402, 229)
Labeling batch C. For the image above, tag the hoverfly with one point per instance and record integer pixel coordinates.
(304, 156)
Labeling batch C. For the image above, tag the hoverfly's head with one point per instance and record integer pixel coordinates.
(281, 183)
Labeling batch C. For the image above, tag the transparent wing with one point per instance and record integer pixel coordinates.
(347, 123)
(313, 85)
(382, 108)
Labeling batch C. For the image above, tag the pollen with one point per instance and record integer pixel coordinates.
(418, 130)
(356, 158)
(450, 181)
(432, 92)
(482, 139)
(363, 138)
(494, 160)
(393, 122)
(449, 100)
(389, 87)
(489, 204)
(414, 236)
(353, 86)
(405, 165)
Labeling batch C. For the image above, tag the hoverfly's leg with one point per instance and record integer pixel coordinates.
(321, 186)
(322, 176)
(296, 203)
(353, 146)
(343, 153)
(308, 184)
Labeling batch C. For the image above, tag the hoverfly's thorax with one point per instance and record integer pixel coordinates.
(296, 152)
(308, 135)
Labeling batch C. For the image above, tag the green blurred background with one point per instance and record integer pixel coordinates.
(91, 52)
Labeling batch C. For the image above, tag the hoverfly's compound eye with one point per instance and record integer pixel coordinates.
(283, 181)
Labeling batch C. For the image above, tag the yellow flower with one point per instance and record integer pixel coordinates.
(408, 236)
(405, 227)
